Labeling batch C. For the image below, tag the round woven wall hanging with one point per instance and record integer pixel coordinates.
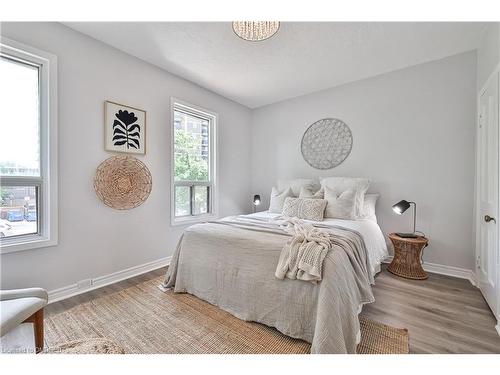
(122, 182)
(326, 143)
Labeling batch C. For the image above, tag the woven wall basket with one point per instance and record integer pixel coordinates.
(122, 182)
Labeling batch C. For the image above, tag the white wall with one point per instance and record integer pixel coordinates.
(488, 53)
(413, 133)
(95, 240)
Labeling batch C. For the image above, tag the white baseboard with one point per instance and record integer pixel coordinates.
(461, 273)
(100, 281)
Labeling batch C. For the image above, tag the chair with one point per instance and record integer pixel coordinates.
(19, 306)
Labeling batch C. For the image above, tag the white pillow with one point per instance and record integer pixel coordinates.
(341, 184)
(308, 193)
(297, 184)
(304, 208)
(369, 207)
(340, 205)
(278, 199)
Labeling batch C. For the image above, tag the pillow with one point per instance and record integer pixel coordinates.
(297, 184)
(308, 193)
(340, 205)
(304, 208)
(369, 207)
(278, 199)
(341, 184)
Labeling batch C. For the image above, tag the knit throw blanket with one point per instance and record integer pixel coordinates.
(302, 256)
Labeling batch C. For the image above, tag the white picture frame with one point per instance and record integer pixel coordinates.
(124, 128)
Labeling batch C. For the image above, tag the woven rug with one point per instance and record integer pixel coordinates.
(143, 319)
(87, 346)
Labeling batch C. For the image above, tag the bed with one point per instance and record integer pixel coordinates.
(231, 263)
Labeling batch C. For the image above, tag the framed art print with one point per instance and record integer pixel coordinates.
(124, 128)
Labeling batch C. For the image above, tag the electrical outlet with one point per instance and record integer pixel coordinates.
(82, 284)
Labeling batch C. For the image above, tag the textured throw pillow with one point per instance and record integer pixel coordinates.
(278, 199)
(369, 207)
(304, 208)
(308, 193)
(340, 205)
(297, 184)
(341, 184)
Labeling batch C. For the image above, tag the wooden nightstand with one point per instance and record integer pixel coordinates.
(407, 257)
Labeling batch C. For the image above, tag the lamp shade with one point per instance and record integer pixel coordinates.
(401, 207)
(256, 199)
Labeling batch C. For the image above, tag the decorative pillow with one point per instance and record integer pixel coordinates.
(341, 184)
(304, 208)
(340, 205)
(297, 184)
(369, 207)
(278, 199)
(308, 193)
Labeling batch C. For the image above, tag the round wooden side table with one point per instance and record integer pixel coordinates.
(407, 257)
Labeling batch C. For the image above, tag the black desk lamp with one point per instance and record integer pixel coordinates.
(400, 208)
(256, 201)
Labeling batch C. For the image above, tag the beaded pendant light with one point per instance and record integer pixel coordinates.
(255, 31)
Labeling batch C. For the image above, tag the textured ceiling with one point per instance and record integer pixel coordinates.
(301, 58)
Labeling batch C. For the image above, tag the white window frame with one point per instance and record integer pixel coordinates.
(47, 182)
(213, 176)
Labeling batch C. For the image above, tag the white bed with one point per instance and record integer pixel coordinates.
(369, 230)
(231, 263)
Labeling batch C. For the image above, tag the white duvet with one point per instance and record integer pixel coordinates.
(369, 230)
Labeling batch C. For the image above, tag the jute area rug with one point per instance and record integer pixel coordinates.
(143, 319)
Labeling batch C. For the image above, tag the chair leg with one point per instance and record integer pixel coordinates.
(38, 327)
(37, 320)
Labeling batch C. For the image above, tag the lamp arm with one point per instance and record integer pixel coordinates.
(414, 215)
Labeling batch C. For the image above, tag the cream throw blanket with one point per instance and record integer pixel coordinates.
(303, 255)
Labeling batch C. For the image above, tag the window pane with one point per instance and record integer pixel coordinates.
(18, 210)
(200, 200)
(182, 200)
(191, 147)
(19, 126)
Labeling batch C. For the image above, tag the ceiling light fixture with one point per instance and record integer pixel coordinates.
(255, 31)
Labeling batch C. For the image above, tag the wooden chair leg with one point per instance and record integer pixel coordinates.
(38, 327)
(37, 320)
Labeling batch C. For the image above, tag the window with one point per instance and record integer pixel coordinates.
(193, 163)
(28, 175)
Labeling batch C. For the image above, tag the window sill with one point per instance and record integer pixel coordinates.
(13, 245)
(192, 220)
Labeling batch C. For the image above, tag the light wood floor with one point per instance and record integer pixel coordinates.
(442, 314)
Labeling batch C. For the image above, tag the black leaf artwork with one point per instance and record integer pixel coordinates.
(125, 130)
